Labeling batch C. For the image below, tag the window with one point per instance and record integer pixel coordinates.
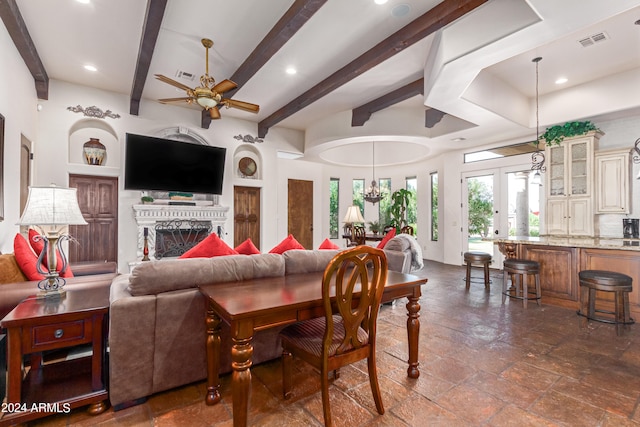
(334, 191)
(411, 184)
(358, 194)
(434, 206)
(385, 202)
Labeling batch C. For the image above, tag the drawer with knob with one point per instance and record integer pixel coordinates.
(60, 335)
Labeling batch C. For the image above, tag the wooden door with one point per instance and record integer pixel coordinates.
(25, 172)
(98, 200)
(246, 215)
(300, 212)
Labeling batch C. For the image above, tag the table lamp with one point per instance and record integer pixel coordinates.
(353, 216)
(51, 209)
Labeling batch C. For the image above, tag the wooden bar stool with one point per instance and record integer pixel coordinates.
(520, 270)
(475, 257)
(620, 284)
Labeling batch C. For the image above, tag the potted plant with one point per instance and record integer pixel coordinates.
(146, 199)
(374, 227)
(556, 134)
(399, 201)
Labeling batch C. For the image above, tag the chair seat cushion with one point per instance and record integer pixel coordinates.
(309, 335)
(521, 264)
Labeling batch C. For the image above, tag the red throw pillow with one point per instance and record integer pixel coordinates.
(386, 238)
(247, 248)
(26, 258)
(209, 247)
(286, 244)
(38, 246)
(328, 244)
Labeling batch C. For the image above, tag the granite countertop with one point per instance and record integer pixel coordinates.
(577, 242)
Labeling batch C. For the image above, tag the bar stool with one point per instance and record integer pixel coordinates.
(520, 270)
(475, 257)
(605, 281)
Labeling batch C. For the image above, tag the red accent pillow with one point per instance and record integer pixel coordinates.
(247, 248)
(328, 244)
(38, 246)
(26, 258)
(209, 247)
(286, 244)
(386, 238)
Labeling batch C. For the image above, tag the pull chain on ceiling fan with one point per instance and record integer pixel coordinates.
(209, 94)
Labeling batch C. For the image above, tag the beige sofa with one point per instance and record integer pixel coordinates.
(157, 318)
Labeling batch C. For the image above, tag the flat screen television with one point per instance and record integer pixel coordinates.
(164, 165)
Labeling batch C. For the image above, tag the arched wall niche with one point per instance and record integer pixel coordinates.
(84, 129)
(247, 150)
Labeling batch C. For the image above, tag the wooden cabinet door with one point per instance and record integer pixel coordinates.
(557, 216)
(98, 201)
(580, 216)
(246, 215)
(558, 272)
(300, 212)
(612, 182)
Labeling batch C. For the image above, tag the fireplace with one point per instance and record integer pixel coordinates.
(172, 230)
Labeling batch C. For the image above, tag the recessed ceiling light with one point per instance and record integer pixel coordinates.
(90, 68)
(380, 1)
(291, 70)
(84, 1)
(459, 139)
(561, 80)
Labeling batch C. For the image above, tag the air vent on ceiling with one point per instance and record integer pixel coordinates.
(594, 39)
(185, 75)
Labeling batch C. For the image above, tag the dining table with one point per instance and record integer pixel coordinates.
(261, 303)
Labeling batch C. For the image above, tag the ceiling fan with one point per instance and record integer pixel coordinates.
(209, 94)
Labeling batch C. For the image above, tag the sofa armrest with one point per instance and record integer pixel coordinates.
(398, 260)
(88, 268)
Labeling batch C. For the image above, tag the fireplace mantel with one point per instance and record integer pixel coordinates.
(148, 215)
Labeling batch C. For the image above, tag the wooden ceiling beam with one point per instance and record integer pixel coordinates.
(287, 26)
(436, 18)
(12, 18)
(362, 113)
(150, 30)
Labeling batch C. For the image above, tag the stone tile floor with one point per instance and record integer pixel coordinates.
(482, 364)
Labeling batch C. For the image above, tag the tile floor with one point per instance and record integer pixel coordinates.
(482, 364)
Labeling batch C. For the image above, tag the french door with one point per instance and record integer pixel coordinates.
(496, 204)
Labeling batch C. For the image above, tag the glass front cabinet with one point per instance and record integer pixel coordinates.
(570, 183)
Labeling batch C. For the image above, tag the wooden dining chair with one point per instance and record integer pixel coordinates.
(359, 234)
(407, 229)
(357, 276)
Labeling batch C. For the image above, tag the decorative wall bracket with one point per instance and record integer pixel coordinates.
(248, 138)
(537, 161)
(94, 111)
(636, 151)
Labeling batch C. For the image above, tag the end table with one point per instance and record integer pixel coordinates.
(37, 325)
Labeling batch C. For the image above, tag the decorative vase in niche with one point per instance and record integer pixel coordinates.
(94, 151)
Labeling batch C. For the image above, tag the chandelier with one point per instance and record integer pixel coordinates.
(537, 158)
(373, 193)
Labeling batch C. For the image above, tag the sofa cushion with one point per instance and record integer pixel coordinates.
(398, 244)
(152, 278)
(328, 244)
(10, 270)
(247, 248)
(209, 247)
(38, 245)
(297, 262)
(386, 238)
(288, 243)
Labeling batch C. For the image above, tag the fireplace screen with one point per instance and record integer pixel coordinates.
(175, 237)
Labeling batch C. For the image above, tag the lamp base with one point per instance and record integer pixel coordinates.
(53, 294)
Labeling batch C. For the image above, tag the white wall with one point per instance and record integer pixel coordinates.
(18, 106)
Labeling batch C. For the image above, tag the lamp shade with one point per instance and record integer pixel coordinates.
(353, 215)
(52, 206)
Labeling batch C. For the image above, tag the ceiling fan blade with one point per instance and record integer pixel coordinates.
(224, 86)
(172, 82)
(165, 100)
(214, 113)
(246, 106)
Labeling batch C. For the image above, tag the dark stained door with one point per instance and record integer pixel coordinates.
(98, 200)
(300, 211)
(246, 215)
